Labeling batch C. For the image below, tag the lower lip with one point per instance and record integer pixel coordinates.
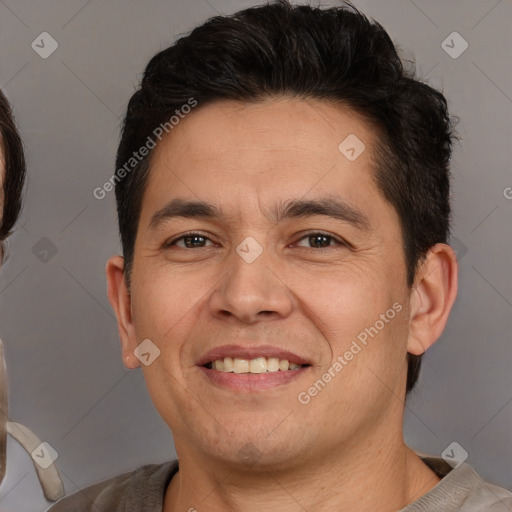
(248, 382)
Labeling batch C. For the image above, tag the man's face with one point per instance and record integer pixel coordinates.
(328, 272)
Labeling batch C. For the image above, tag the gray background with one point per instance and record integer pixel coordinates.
(67, 381)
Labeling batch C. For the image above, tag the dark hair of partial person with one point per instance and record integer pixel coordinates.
(337, 55)
(11, 151)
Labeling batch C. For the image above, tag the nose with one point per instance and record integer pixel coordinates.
(251, 291)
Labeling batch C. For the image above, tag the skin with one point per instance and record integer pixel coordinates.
(242, 450)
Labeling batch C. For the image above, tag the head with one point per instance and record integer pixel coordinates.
(300, 139)
(12, 171)
(12, 175)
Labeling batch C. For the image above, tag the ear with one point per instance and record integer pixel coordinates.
(121, 303)
(432, 298)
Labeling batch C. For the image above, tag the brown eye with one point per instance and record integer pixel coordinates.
(318, 241)
(190, 241)
(194, 241)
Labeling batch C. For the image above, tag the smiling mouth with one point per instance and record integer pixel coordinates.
(253, 366)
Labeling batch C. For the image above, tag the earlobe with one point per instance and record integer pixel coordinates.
(120, 300)
(432, 298)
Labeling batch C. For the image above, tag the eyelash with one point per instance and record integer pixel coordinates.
(170, 243)
(339, 241)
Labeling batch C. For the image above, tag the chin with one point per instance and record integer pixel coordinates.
(256, 453)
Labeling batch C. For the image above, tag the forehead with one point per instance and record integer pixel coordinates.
(286, 124)
(244, 155)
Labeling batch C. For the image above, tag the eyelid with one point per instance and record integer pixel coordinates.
(336, 238)
(172, 242)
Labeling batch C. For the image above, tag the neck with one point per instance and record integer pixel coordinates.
(370, 478)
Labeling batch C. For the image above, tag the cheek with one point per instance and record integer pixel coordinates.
(162, 304)
(362, 317)
(342, 302)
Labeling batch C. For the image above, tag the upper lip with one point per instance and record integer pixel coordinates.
(250, 352)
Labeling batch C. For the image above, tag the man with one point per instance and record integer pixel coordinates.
(12, 171)
(12, 178)
(283, 199)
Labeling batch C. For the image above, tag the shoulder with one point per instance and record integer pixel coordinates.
(461, 490)
(489, 497)
(136, 490)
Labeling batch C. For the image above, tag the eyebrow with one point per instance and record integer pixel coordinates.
(329, 207)
(183, 208)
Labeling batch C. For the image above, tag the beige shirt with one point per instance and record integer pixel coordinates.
(143, 490)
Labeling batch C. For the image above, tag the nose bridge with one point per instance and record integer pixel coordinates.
(250, 286)
(249, 265)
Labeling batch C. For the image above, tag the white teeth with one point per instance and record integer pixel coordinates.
(241, 365)
(229, 365)
(257, 365)
(273, 364)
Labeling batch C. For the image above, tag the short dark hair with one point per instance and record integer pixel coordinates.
(11, 151)
(334, 54)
